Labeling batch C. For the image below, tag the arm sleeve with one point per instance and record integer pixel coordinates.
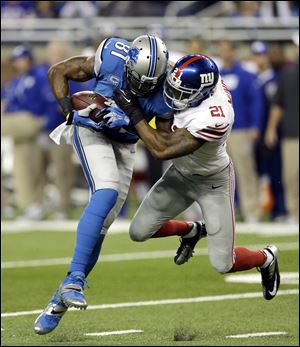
(208, 131)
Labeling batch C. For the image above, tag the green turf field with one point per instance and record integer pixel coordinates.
(148, 274)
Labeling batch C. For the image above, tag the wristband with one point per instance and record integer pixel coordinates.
(135, 117)
(66, 105)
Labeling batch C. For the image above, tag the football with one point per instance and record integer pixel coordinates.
(81, 100)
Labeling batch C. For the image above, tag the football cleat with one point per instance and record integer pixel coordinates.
(71, 290)
(49, 319)
(270, 277)
(187, 245)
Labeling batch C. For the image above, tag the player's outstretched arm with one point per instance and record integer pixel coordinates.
(164, 124)
(79, 68)
(161, 143)
(164, 145)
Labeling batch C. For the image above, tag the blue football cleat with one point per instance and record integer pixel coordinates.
(49, 319)
(71, 290)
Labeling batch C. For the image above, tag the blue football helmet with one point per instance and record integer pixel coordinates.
(192, 79)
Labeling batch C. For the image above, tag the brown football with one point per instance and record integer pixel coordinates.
(85, 98)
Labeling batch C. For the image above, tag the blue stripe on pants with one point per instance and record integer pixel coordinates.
(83, 160)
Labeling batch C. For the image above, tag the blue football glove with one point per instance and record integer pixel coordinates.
(81, 118)
(116, 118)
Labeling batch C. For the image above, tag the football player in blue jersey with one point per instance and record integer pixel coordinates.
(106, 151)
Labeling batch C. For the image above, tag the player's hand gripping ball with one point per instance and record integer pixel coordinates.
(82, 100)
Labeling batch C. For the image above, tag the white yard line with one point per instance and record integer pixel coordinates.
(122, 226)
(285, 278)
(116, 332)
(284, 246)
(163, 302)
(269, 333)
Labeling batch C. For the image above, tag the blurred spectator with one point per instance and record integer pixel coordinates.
(79, 9)
(268, 160)
(246, 9)
(277, 56)
(23, 120)
(17, 9)
(197, 44)
(135, 8)
(281, 9)
(57, 157)
(285, 111)
(247, 104)
(60, 157)
(45, 9)
(91, 45)
(30, 114)
(186, 8)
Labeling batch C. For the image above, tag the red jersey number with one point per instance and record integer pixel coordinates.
(216, 111)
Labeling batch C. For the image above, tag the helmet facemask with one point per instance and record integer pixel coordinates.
(141, 85)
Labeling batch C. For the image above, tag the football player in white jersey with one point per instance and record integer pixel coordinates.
(201, 171)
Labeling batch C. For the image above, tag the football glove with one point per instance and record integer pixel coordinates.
(128, 103)
(116, 118)
(81, 118)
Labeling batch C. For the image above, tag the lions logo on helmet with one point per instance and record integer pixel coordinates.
(192, 80)
(133, 54)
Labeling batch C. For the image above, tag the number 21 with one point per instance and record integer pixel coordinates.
(216, 111)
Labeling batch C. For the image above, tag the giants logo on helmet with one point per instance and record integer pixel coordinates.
(207, 79)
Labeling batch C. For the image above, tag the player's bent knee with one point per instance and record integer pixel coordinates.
(221, 266)
(136, 231)
(136, 235)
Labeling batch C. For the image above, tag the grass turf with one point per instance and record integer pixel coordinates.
(202, 324)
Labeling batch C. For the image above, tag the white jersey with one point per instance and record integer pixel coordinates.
(211, 121)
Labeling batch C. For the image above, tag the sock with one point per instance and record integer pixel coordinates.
(192, 232)
(269, 258)
(246, 259)
(89, 227)
(95, 255)
(173, 227)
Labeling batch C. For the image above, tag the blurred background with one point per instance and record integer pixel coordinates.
(254, 43)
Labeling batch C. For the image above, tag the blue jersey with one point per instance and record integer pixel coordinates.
(27, 92)
(246, 97)
(110, 75)
(32, 93)
(268, 83)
